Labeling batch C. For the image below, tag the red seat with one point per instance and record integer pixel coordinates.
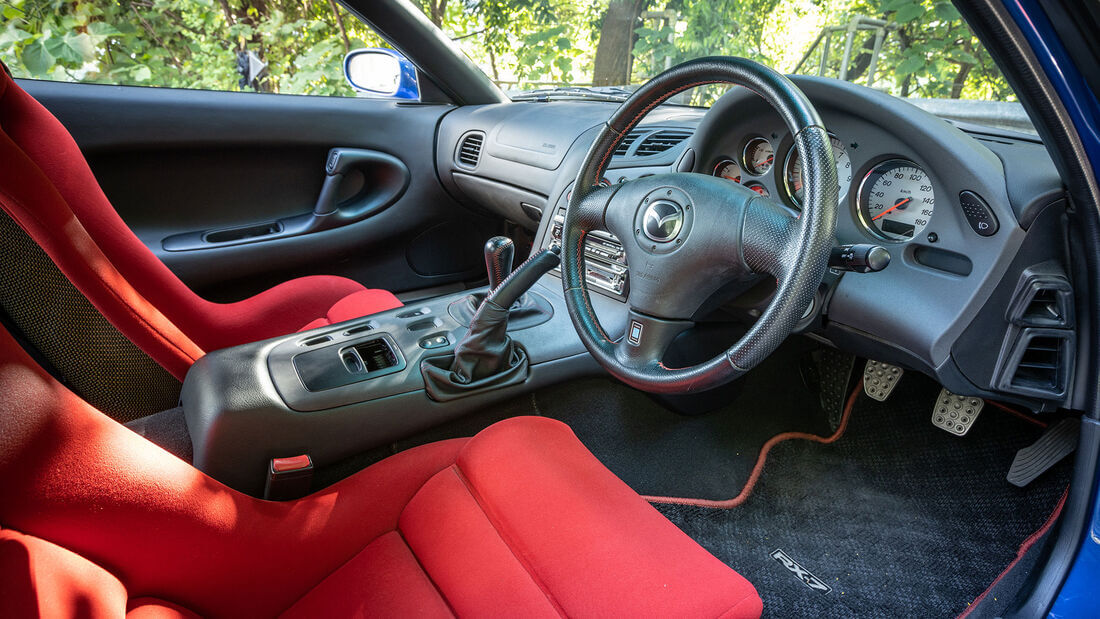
(47, 187)
(520, 520)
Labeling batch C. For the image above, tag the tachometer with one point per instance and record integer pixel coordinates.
(792, 177)
(728, 168)
(896, 200)
(758, 156)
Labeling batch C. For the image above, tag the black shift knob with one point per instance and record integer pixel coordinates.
(499, 252)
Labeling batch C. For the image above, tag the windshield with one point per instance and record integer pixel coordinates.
(917, 49)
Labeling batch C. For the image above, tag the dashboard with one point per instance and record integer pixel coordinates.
(979, 292)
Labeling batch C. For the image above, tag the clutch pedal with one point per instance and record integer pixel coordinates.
(956, 413)
(879, 379)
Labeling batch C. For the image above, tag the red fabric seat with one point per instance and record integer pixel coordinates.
(47, 187)
(520, 520)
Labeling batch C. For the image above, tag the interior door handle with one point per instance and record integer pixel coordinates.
(339, 161)
(385, 180)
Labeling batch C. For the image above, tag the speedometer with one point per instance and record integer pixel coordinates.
(896, 200)
(792, 172)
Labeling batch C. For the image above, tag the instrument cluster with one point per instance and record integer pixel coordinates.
(894, 198)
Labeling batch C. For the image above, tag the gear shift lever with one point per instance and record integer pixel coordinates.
(499, 253)
(486, 357)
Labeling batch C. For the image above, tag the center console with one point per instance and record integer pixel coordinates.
(340, 390)
(605, 260)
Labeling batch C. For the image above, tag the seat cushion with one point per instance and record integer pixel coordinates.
(528, 523)
(357, 304)
(519, 518)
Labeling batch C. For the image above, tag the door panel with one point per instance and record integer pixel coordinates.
(175, 162)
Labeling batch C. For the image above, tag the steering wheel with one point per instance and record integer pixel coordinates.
(686, 235)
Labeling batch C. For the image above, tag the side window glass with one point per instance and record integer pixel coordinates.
(273, 46)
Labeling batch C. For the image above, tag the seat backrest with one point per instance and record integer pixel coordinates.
(66, 297)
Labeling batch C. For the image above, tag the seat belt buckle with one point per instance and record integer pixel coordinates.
(288, 478)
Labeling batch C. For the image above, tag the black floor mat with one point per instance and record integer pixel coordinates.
(659, 452)
(897, 518)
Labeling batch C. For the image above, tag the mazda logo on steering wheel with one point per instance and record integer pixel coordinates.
(662, 220)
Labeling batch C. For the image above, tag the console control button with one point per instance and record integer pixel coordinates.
(435, 341)
(423, 311)
(978, 214)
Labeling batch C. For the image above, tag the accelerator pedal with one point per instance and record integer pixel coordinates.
(835, 371)
(956, 413)
(879, 379)
(1056, 443)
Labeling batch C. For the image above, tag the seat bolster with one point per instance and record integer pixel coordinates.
(40, 579)
(563, 513)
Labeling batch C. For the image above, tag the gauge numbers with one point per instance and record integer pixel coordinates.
(758, 156)
(792, 177)
(728, 169)
(896, 200)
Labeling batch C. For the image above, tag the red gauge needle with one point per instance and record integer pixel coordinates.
(899, 204)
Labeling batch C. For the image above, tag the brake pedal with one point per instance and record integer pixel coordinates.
(1057, 442)
(879, 379)
(956, 413)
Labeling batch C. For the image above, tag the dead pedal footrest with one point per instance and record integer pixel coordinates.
(1057, 442)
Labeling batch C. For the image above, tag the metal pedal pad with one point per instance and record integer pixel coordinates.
(956, 413)
(879, 379)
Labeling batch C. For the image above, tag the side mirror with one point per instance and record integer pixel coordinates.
(382, 73)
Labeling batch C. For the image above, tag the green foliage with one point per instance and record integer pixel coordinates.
(520, 43)
(181, 43)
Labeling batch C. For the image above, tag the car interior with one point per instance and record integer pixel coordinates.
(811, 351)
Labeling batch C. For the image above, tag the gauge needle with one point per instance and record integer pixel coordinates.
(899, 204)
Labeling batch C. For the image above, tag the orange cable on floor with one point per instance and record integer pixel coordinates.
(761, 459)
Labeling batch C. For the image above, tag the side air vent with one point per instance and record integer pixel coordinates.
(661, 141)
(469, 149)
(1043, 298)
(1039, 363)
(627, 142)
(1037, 357)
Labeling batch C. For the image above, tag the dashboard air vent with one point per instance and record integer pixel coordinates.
(661, 141)
(1043, 298)
(624, 146)
(1040, 365)
(469, 149)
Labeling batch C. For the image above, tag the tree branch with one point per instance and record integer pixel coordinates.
(340, 25)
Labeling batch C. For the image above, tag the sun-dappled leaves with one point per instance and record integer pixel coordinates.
(929, 52)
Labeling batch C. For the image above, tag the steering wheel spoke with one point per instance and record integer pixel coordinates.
(647, 340)
(769, 238)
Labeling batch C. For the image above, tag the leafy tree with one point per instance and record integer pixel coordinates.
(182, 43)
(521, 43)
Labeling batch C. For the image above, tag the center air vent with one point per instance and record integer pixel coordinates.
(469, 149)
(661, 141)
(625, 144)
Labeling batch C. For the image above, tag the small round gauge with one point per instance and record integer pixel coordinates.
(792, 176)
(896, 200)
(758, 188)
(758, 156)
(728, 168)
